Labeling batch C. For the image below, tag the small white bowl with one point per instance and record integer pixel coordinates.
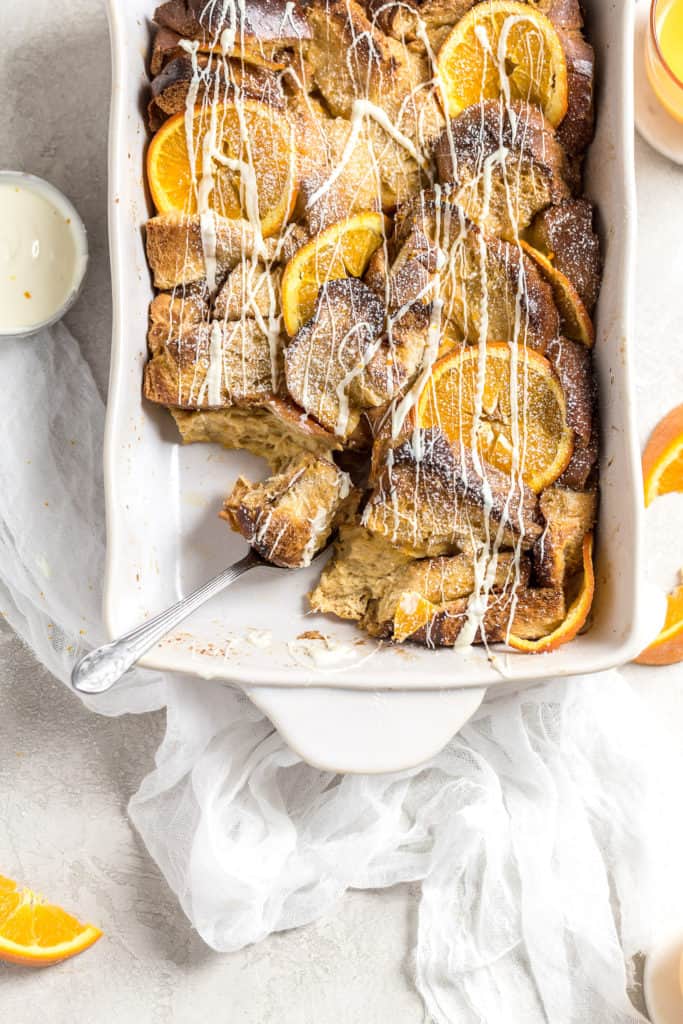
(80, 236)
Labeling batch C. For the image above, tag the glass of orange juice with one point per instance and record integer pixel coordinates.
(664, 54)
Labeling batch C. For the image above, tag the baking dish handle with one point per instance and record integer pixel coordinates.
(361, 731)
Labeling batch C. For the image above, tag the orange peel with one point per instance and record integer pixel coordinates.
(576, 322)
(577, 614)
(663, 457)
(667, 649)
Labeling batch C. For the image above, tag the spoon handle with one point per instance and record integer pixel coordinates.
(101, 668)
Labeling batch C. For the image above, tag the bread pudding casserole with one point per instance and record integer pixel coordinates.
(375, 268)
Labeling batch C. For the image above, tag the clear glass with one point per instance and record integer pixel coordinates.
(664, 79)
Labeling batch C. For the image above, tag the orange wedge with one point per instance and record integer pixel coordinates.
(342, 250)
(412, 613)
(663, 457)
(667, 649)
(522, 412)
(504, 48)
(577, 615)
(36, 933)
(253, 163)
(576, 323)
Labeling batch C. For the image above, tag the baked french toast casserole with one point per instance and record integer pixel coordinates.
(375, 268)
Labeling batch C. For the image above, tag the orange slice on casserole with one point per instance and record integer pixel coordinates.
(577, 615)
(342, 250)
(515, 416)
(504, 48)
(252, 163)
(663, 457)
(37, 933)
(576, 323)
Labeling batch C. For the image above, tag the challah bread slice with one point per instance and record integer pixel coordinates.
(165, 47)
(251, 289)
(487, 286)
(435, 582)
(262, 26)
(566, 235)
(430, 499)
(409, 19)
(276, 430)
(576, 130)
(529, 614)
(175, 313)
(568, 515)
(504, 165)
(209, 366)
(382, 91)
(289, 517)
(176, 255)
(343, 361)
(218, 82)
(573, 365)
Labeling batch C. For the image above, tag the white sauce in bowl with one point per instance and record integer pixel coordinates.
(43, 253)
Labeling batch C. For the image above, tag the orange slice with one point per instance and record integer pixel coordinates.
(412, 613)
(663, 457)
(342, 250)
(522, 416)
(37, 933)
(253, 166)
(577, 615)
(504, 48)
(667, 649)
(576, 322)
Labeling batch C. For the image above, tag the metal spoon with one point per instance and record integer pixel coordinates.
(102, 668)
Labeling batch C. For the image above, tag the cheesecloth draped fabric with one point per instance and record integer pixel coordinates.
(542, 835)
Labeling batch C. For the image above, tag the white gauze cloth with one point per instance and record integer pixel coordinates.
(543, 834)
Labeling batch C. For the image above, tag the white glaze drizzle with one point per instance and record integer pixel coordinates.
(486, 554)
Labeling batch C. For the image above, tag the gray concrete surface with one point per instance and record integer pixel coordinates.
(65, 778)
(66, 775)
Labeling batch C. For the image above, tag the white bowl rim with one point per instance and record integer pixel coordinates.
(80, 232)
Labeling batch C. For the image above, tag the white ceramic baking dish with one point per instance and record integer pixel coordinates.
(349, 703)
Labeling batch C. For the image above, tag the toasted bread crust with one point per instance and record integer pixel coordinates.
(340, 362)
(261, 23)
(566, 233)
(430, 499)
(212, 365)
(218, 83)
(533, 614)
(568, 515)
(441, 252)
(354, 79)
(275, 430)
(502, 196)
(175, 253)
(577, 128)
(289, 517)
